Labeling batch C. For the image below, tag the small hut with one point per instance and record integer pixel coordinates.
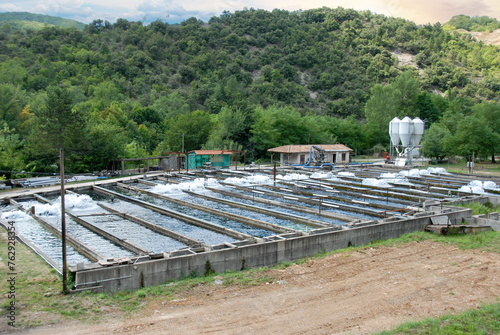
(300, 153)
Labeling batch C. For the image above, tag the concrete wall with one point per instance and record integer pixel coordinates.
(154, 272)
(492, 221)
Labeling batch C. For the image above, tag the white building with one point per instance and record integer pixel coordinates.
(299, 153)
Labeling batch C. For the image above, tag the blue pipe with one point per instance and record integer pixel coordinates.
(309, 162)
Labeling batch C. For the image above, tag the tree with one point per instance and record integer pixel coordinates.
(107, 143)
(276, 126)
(195, 126)
(11, 157)
(13, 72)
(474, 135)
(436, 142)
(10, 104)
(230, 131)
(426, 108)
(399, 99)
(490, 113)
(60, 125)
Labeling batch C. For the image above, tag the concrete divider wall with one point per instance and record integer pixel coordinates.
(154, 272)
(494, 224)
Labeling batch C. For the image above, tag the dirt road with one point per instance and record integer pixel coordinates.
(358, 292)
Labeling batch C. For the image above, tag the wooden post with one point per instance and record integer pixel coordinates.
(63, 224)
(123, 167)
(274, 174)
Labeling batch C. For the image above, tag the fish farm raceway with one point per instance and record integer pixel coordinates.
(138, 231)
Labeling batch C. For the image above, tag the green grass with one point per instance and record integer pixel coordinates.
(485, 321)
(485, 167)
(477, 208)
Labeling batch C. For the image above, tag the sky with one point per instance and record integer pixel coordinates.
(176, 11)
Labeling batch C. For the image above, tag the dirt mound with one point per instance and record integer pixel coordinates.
(488, 38)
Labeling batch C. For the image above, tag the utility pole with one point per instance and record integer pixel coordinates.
(63, 223)
(182, 143)
(274, 172)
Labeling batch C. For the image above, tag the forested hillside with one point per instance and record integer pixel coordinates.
(247, 80)
(25, 21)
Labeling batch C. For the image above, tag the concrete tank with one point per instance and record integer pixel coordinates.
(394, 131)
(405, 131)
(418, 131)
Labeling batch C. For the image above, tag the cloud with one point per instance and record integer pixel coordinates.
(10, 7)
(172, 10)
(431, 11)
(175, 11)
(160, 9)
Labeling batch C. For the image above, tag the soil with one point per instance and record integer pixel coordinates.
(492, 38)
(355, 292)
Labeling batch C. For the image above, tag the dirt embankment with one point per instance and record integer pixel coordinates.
(359, 292)
(488, 38)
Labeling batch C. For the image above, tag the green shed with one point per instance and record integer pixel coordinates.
(217, 158)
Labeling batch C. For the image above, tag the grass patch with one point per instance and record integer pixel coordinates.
(487, 241)
(460, 166)
(478, 208)
(486, 320)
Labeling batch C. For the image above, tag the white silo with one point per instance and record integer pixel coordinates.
(405, 126)
(418, 131)
(394, 131)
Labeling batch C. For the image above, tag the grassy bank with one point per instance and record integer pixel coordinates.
(486, 320)
(460, 166)
(38, 287)
(477, 208)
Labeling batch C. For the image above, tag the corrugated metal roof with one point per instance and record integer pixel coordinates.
(304, 148)
(211, 152)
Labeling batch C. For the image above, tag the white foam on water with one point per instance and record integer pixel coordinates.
(259, 179)
(15, 215)
(478, 187)
(292, 176)
(376, 182)
(490, 185)
(250, 180)
(197, 184)
(437, 170)
(80, 202)
(415, 173)
(73, 202)
(345, 174)
(321, 175)
(471, 189)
